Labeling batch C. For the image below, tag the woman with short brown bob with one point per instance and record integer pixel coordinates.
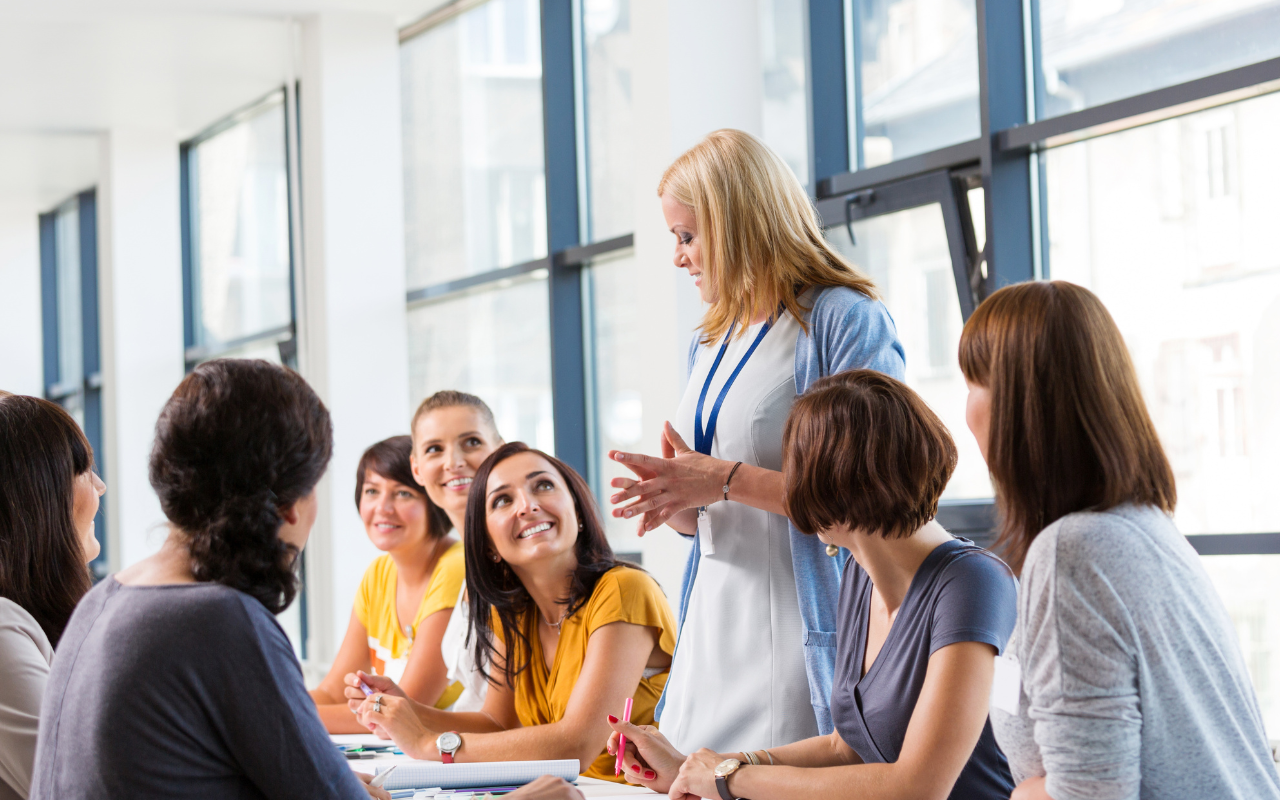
(1132, 683)
(921, 619)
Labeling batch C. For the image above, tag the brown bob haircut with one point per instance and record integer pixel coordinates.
(864, 451)
(390, 459)
(1069, 429)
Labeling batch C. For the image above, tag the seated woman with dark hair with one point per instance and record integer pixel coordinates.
(921, 619)
(173, 677)
(406, 596)
(48, 498)
(565, 628)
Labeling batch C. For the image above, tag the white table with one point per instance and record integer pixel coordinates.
(591, 787)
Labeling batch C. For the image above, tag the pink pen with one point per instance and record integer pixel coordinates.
(622, 740)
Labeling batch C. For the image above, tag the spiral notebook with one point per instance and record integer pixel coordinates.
(424, 774)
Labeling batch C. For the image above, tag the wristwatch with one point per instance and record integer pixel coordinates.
(723, 770)
(448, 744)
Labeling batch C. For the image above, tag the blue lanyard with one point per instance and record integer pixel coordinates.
(702, 440)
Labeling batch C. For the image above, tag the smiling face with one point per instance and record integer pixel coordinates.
(530, 512)
(449, 445)
(88, 487)
(394, 515)
(684, 224)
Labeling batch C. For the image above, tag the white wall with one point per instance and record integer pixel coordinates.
(21, 362)
(140, 294)
(354, 333)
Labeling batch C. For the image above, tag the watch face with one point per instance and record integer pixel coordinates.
(448, 742)
(727, 767)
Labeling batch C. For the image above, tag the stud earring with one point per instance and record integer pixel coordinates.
(580, 525)
(832, 550)
(497, 559)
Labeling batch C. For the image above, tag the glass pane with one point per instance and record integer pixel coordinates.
(1173, 226)
(782, 56)
(495, 344)
(265, 349)
(1096, 51)
(66, 231)
(919, 75)
(906, 254)
(610, 141)
(475, 191)
(615, 325)
(240, 229)
(1246, 585)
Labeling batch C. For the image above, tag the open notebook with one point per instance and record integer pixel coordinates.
(428, 774)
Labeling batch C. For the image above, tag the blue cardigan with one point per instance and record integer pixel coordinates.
(847, 330)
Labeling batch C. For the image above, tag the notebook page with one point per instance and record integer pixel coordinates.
(425, 774)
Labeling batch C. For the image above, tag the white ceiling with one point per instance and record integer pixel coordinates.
(73, 69)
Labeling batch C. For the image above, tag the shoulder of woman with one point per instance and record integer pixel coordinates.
(623, 589)
(1111, 542)
(17, 625)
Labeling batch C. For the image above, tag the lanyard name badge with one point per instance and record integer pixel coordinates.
(702, 439)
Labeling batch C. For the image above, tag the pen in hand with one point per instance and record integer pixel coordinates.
(622, 740)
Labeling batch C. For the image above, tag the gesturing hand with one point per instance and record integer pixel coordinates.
(649, 760)
(548, 787)
(697, 776)
(682, 479)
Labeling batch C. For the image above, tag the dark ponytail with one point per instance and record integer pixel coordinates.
(238, 441)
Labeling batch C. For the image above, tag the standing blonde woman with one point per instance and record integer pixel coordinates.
(754, 663)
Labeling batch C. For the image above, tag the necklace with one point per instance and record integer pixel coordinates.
(555, 625)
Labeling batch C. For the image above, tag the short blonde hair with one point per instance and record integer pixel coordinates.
(762, 241)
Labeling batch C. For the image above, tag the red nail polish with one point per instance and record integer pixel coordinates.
(612, 718)
(650, 775)
(635, 768)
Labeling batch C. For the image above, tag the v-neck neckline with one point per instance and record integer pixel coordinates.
(891, 637)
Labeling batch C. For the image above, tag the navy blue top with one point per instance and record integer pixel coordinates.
(961, 593)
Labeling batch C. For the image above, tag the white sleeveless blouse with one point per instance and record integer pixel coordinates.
(738, 678)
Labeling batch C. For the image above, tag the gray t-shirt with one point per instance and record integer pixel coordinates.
(1133, 685)
(960, 593)
(187, 690)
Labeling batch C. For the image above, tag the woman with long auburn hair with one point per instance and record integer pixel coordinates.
(1128, 680)
(783, 310)
(562, 628)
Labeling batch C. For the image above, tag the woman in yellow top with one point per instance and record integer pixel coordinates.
(568, 631)
(407, 595)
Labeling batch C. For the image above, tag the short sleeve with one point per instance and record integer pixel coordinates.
(446, 583)
(976, 601)
(373, 586)
(624, 594)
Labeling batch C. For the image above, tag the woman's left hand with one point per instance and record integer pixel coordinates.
(401, 723)
(697, 776)
(682, 478)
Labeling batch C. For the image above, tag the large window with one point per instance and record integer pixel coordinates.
(238, 276)
(914, 69)
(69, 305)
(608, 145)
(1095, 51)
(237, 254)
(475, 191)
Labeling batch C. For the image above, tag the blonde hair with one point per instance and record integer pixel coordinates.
(762, 241)
(451, 398)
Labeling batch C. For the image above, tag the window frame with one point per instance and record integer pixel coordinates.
(285, 337)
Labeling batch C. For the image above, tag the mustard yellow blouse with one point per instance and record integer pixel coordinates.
(375, 607)
(622, 594)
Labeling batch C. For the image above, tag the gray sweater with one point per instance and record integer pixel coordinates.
(1133, 685)
(188, 690)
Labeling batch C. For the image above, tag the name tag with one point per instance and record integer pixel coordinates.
(1006, 685)
(705, 541)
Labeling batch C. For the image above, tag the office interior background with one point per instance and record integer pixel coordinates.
(401, 196)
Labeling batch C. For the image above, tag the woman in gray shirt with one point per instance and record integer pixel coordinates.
(1127, 680)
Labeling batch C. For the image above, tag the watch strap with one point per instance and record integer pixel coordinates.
(446, 756)
(722, 786)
